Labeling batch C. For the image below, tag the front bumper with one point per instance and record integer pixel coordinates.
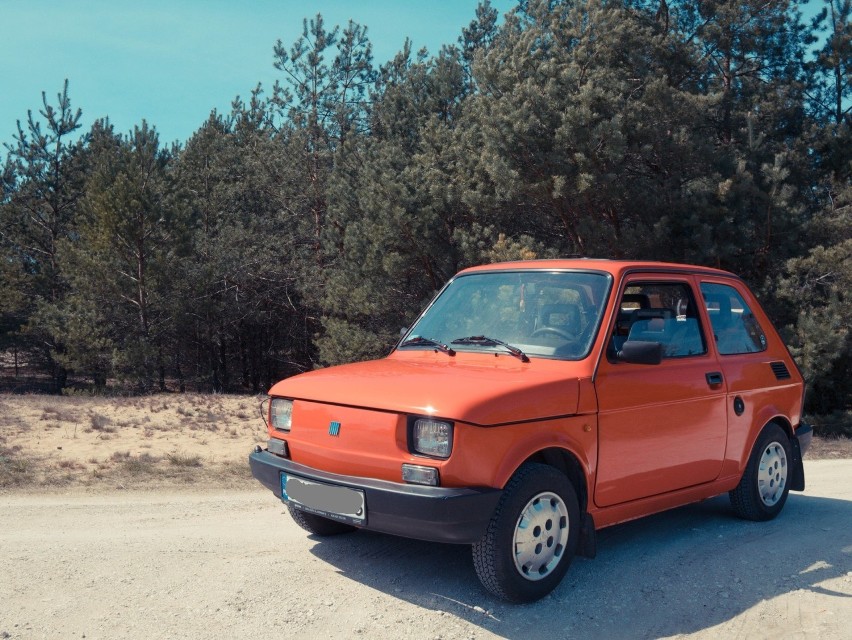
(437, 514)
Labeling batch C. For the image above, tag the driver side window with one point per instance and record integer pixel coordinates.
(660, 312)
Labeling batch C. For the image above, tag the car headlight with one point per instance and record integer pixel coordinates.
(281, 413)
(431, 437)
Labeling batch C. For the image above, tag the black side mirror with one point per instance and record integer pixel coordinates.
(641, 352)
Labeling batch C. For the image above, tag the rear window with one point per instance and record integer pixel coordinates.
(735, 328)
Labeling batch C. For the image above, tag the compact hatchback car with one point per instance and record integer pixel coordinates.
(533, 403)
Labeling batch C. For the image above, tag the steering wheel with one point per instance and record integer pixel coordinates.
(554, 330)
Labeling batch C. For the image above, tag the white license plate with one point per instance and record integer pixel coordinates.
(328, 500)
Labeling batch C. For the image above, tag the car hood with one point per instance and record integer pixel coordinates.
(479, 390)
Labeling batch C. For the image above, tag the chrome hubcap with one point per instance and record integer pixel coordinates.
(772, 474)
(541, 535)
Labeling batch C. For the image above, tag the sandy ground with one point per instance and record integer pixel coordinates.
(122, 443)
(231, 564)
(137, 518)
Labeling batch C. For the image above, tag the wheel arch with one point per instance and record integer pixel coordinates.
(761, 420)
(567, 463)
(797, 467)
(782, 422)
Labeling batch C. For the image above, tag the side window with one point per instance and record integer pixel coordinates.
(663, 312)
(735, 328)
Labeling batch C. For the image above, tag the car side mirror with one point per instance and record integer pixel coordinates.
(640, 352)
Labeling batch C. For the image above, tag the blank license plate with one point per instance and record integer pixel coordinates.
(331, 501)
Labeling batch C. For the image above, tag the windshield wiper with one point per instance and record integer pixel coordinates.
(489, 342)
(418, 341)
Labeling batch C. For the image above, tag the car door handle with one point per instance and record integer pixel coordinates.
(714, 378)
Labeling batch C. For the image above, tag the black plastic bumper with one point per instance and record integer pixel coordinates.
(804, 434)
(438, 514)
(799, 443)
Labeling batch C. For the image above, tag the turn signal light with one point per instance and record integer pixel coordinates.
(278, 447)
(415, 474)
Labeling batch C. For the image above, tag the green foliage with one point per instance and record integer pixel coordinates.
(816, 287)
(347, 342)
(42, 183)
(131, 232)
(306, 227)
(833, 64)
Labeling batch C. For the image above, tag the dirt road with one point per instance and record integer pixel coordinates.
(233, 565)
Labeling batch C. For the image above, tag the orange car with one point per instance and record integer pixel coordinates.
(533, 403)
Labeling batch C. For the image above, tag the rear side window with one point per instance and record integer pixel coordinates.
(735, 328)
(663, 312)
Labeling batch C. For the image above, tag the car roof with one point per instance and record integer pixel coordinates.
(615, 267)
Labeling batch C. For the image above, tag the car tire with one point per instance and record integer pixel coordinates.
(763, 489)
(532, 536)
(318, 525)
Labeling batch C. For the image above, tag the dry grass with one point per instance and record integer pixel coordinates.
(15, 468)
(829, 449)
(155, 441)
(179, 459)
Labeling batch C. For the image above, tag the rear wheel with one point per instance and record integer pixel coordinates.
(763, 489)
(317, 524)
(532, 536)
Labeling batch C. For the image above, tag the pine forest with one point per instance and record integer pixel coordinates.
(313, 221)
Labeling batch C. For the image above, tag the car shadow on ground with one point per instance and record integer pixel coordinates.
(676, 572)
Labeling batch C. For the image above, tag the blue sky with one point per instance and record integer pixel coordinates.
(172, 61)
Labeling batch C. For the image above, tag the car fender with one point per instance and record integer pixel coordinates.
(763, 417)
(578, 440)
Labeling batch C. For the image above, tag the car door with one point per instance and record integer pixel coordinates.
(753, 361)
(662, 427)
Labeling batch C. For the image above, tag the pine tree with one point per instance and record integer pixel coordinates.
(476, 38)
(42, 184)
(589, 127)
(394, 208)
(751, 62)
(130, 237)
(815, 288)
(833, 64)
(324, 99)
(245, 322)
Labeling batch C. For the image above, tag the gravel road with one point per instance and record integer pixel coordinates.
(233, 565)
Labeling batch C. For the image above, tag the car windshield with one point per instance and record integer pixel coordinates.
(550, 314)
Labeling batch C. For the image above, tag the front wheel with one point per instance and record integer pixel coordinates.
(763, 489)
(532, 536)
(317, 524)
